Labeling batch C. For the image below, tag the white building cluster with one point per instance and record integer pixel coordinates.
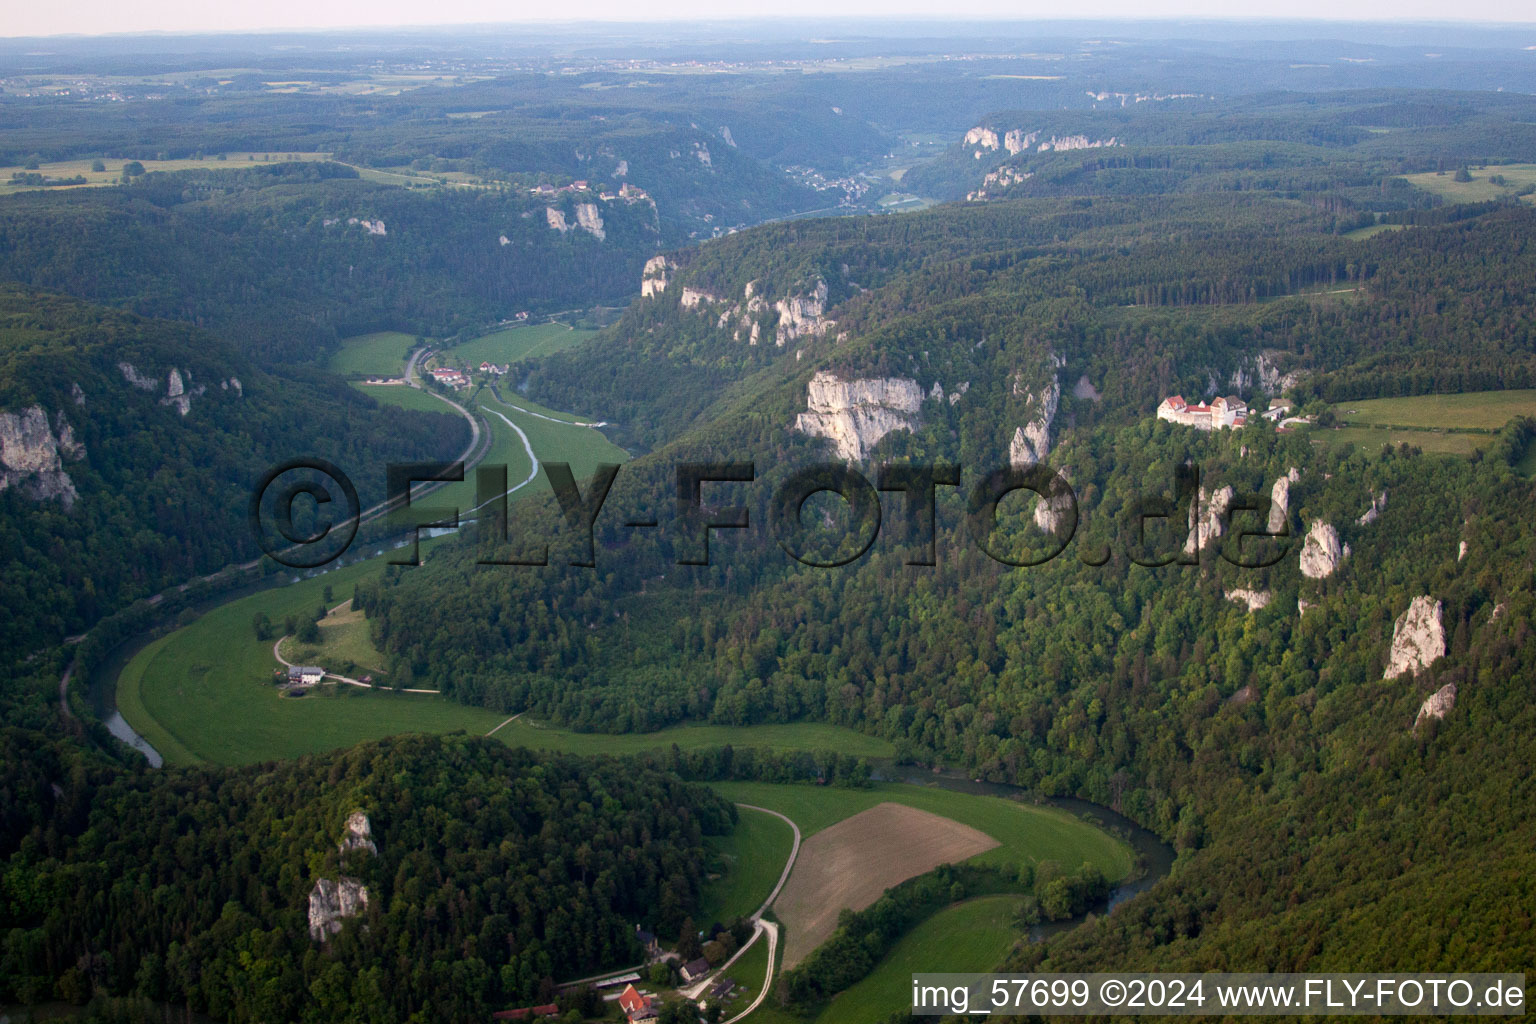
(1220, 414)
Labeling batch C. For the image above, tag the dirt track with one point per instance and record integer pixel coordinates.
(851, 863)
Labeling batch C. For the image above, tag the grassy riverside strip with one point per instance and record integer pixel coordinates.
(970, 936)
(1026, 834)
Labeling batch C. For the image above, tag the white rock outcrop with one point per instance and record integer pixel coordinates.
(801, 316)
(1461, 551)
(332, 902)
(1051, 512)
(1321, 553)
(653, 279)
(1207, 527)
(1436, 705)
(1066, 143)
(1254, 599)
(1018, 141)
(1418, 638)
(32, 457)
(589, 219)
(1279, 505)
(373, 227)
(357, 834)
(176, 392)
(982, 138)
(855, 414)
(1370, 515)
(133, 376)
(697, 296)
(1032, 442)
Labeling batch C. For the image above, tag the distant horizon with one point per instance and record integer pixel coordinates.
(176, 18)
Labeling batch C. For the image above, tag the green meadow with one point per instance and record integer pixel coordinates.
(513, 343)
(1025, 833)
(1482, 187)
(968, 937)
(798, 736)
(750, 861)
(205, 693)
(1439, 424)
(1473, 410)
(381, 354)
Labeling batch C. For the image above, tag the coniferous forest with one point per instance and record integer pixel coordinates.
(859, 254)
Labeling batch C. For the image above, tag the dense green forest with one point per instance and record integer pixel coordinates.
(1224, 245)
(132, 447)
(1264, 744)
(1347, 143)
(497, 873)
(277, 259)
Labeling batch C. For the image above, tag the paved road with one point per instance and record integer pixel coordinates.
(760, 927)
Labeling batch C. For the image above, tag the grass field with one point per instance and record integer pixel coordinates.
(406, 397)
(1475, 410)
(1371, 231)
(1025, 833)
(344, 642)
(114, 168)
(514, 343)
(1480, 188)
(751, 858)
(1439, 424)
(848, 865)
(973, 936)
(381, 354)
(1372, 438)
(798, 736)
(204, 693)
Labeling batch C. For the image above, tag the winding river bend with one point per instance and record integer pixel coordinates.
(1154, 858)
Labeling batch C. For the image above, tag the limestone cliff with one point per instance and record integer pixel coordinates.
(697, 296)
(801, 316)
(1436, 705)
(1321, 553)
(332, 902)
(653, 279)
(1253, 599)
(1370, 515)
(1051, 513)
(1279, 505)
(357, 834)
(1032, 442)
(1207, 527)
(1418, 638)
(588, 219)
(32, 455)
(855, 414)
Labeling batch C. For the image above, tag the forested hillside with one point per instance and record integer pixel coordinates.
(131, 447)
(496, 873)
(1343, 143)
(1211, 702)
(285, 260)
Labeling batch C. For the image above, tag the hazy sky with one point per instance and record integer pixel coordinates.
(24, 18)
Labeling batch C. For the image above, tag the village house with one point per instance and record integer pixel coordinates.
(1278, 409)
(305, 675)
(1220, 414)
(637, 1007)
(492, 368)
(449, 376)
(648, 942)
(693, 970)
